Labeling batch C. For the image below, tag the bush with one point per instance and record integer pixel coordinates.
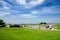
(2, 25)
(15, 25)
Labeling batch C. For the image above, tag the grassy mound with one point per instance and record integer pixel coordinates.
(57, 26)
(28, 34)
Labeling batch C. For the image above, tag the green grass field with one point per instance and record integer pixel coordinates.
(28, 34)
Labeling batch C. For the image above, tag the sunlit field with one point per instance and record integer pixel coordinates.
(28, 34)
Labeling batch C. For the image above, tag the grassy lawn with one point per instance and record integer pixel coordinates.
(28, 34)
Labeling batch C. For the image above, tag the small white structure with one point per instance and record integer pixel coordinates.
(7, 25)
(23, 25)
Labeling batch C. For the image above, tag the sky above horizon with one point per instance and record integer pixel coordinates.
(30, 11)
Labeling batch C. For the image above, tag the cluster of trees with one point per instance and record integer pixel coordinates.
(2, 23)
(42, 23)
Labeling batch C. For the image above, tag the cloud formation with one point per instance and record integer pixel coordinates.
(29, 3)
(5, 5)
(47, 10)
(28, 16)
(4, 13)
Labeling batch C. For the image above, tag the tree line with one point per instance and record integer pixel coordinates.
(3, 24)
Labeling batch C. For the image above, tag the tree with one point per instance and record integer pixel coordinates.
(42, 23)
(2, 23)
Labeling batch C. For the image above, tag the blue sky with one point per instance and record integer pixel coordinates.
(30, 11)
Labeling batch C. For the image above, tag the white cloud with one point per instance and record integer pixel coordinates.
(47, 10)
(28, 16)
(37, 2)
(5, 5)
(30, 4)
(52, 20)
(4, 13)
(23, 16)
(21, 1)
(34, 12)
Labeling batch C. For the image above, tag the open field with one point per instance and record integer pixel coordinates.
(28, 34)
